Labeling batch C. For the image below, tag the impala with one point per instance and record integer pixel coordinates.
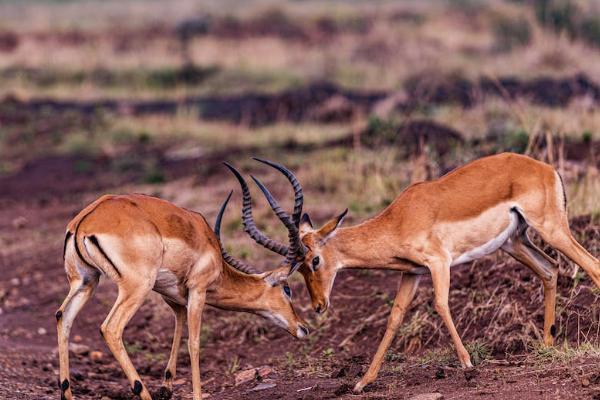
(143, 244)
(432, 226)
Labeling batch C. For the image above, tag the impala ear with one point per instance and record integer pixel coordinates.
(305, 225)
(328, 230)
(277, 276)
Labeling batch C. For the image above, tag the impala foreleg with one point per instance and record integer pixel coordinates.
(406, 293)
(440, 275)
(171, 369)
(81, 290)
(128, 302)
(196, 300)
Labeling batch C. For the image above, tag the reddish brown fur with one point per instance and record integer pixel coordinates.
(153, 244)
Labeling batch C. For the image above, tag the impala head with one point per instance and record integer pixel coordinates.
(320, 261)
(307, 250)
(277, 299)
(272, 298)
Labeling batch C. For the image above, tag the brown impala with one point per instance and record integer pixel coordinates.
(144, 243)
(473, 211)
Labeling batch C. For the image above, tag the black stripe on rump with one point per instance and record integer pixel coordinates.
(95, 242)
(562, 183)
(69, 234)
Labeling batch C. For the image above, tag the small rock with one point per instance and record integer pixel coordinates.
(105, 398)
(244, 376)
(585, 382)
(428, 396)
(263, 386)
(77, 338)
(15, 282)
(79, 349)
(251, 374)
(96, 356)
(41, 331)
(19, 222)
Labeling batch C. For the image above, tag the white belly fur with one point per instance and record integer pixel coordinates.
(491, 245)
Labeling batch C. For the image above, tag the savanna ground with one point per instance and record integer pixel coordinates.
(359, 100)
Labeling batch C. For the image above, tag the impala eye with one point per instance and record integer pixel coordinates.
(287, 291)
(315, 262)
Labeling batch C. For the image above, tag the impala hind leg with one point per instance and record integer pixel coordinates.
(521, 249)
(440, 275)
(196, 299)
(406, 293)
(82, 284)
(128, 302)
(559, 236)
(171, 369)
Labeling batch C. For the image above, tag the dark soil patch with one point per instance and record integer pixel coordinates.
(551, 92)
(326, 102)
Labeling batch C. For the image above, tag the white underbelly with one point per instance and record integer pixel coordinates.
(491, 245)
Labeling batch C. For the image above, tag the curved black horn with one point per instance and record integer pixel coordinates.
(239, 265)
(248, 220)
(293, 234)
(298, 195)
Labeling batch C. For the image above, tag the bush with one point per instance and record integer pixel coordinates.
(565, 16)
(558, 15)
(511, 33)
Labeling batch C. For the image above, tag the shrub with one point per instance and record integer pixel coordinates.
(510, 33)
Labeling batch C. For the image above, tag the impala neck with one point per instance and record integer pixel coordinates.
(238, 291)
(365, 246)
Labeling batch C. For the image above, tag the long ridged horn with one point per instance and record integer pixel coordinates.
(237, 264)
(293, 234)
(298, 195)
(248, 220)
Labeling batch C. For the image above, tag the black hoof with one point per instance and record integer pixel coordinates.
(137, 388)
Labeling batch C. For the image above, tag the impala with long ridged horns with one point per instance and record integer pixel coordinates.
(143, 243)
(431, 226)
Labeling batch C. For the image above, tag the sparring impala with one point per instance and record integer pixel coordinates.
(143, 244)
(432, 226)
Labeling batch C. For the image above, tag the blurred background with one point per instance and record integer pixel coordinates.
(359, 99)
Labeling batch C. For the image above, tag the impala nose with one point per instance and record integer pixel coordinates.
(302, 331)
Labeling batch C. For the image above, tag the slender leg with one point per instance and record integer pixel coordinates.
(127, 304)
(81, 290)
(179, 312)
(521, 249)
(196, 299)
(406, 293)
(440, 275)
(562, 240)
